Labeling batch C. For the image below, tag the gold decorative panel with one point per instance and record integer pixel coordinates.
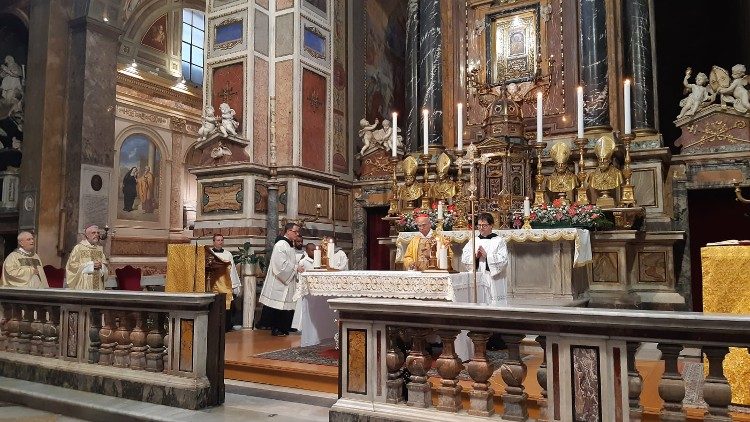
(309, 196)
(356, 356)
(513, 46)
(186, 345)
(222, 197)
(652, 267)
(605, 267)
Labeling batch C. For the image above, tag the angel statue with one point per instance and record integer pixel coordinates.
(209, 124)
(378, 139)
(735, 92)
(228, 124)
(366, 133)
(699, 94)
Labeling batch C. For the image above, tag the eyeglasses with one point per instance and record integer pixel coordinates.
(294, 231)
(484, 225)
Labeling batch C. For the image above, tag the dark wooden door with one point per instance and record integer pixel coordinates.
(378, 256)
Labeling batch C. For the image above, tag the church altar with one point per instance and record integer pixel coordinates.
(546, 266)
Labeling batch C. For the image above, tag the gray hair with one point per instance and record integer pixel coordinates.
(23, 233)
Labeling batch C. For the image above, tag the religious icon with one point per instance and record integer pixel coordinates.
(156, 37)
(138, 196)
(517, 43)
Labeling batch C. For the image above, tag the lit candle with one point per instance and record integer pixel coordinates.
(425, 115)
(579, 92)
(316, 257)
(331, 245)
(442, 257)
(394, 151)
(626, 99)
(440, 210)
(526, 207)
(460, 125)
(539, 116)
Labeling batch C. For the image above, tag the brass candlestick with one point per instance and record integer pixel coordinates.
(582, 192)
(460, 198)
(526, 223)
(738, 192)
(539, 192)
(394, 208)
(627, 197)
(425, 183)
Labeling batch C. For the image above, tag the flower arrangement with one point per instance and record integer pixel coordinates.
(561, 214)
(407, 223)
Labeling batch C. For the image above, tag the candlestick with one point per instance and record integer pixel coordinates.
(539, 116)
(460, 126)
(627, 195)
(394, 150)
(425, 116)
(316, 257)
(626, 96)
(526, 207)
(579, 103)
(440, 210)
(582, 191)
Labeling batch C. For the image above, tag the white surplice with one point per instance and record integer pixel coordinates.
(281, 277)
(300, 309)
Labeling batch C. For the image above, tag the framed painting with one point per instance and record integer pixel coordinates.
(139, 195)
(513, 45)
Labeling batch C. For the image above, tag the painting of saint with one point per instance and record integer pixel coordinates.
(156, 36)
(517, 43)
(138, 195)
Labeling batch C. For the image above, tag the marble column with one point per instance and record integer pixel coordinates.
(593, 62)
(638, 62)
(358, 258)
(272, 217)
(412, 112)
(430, 71)
(175, 210)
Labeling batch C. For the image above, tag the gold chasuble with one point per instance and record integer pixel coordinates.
(186, 269)
(79, 271)
(18, 271)
(418, 252)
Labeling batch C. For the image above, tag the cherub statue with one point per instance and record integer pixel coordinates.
(699, 94)
(209, 124)
(11, 74)
(736, 93)
(228, 124)
(367, 134)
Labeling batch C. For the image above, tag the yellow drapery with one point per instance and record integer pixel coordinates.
(186, 269)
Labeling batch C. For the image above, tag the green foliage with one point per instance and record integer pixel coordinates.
(244, 255)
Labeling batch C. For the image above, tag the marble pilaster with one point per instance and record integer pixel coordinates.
(592, 46)
(411, 141)
(638, 62)
(175, 212)
(430, 70)
(358, 258)
(272, 216)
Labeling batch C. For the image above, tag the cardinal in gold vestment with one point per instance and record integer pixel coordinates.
(22, 267)
(417, 255)
(87, 266)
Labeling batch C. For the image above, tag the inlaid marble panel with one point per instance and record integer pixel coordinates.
(222, 197)
(314, 112)
(284, 4)
(341, 206)
(340, 159)
(284, 28)
(263, 3)
(186, 345)
(309, 196)
(605, 268)
(72, 337)
(284, 110)
(356, 369)
(645, 187)
(261, 197)
(586, 384)
(652, 267)
(260, 114)
(261, 34)
(228, 86)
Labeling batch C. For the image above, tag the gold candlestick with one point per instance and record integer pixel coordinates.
(539, 192)
(627, 197)
(582, 192)
(460, 221)
(526, 223)
(394, 208)
(425, 183)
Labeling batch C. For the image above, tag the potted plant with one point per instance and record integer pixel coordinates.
(252, 263)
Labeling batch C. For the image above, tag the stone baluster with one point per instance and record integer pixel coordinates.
(14, 326)
(716, 391)
(449, 366)
(394, 362)
(94, 340)
(513, 371)
(38, 315)
(106, 337)
(480, 370)
(122, 338)
(418, 362)
(155, 342)
(671, 386)
(138, 339)
(5, 310)
(635, 383)
(541, 378)
(50, 332)
(167, 341)
(24, 329)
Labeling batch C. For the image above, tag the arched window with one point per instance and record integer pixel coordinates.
(193, 33)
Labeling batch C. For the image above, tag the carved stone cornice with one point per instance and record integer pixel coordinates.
(159, 90)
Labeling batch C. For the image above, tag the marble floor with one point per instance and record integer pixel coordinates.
(13, 412)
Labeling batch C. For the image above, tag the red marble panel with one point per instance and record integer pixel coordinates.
(314, 100)
(228, 85)
(617, 383)
(260, 113)
(284, 108)
(156, 37)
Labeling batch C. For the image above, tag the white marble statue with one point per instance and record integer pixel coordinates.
(700, 95)
(374, 139)
(220, 151)
(228, 124)
(736, 93)
(366, 133)
(208, 127)
(12, 86)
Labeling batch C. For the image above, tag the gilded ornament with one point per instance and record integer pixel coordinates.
(443, 188)
(562, 180)
(410, 191)
(606, 177)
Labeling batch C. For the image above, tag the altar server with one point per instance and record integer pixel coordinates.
(87, 265)
(228, 282)
(308, 263)
(340, 260)
(22, 267)
(281, 281)
(417, 255)
(492, 259)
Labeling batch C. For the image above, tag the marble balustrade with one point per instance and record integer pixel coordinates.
(587, 373)
(155, 347)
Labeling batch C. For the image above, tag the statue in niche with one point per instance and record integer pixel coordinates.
(443, 188)
(735, 92)
(12, 75)
(228, 124)
(410, 191)
(606, 177)
(208, 127)
(700, 95)
(562, 180)
(374, 139)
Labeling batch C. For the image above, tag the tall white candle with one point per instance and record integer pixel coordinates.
(331, 246)
(526, 207)
(539, 110)
(626, 99)
(394, 151)
(316, 257)
(425, 116)
(460, 126)
(443, 258)
(579, 103)
(440, 210)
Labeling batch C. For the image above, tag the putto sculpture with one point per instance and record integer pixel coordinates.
(731, 89)
(228, 124)
(208, 127)
(374, 139)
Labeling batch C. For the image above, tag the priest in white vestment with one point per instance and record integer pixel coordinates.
(22, 267)
(87, 266)
(492, 260)
(281, 282)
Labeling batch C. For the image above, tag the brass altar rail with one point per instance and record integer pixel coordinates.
(156, 347)
(587, 353)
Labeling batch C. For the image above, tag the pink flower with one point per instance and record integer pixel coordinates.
(572, 212)
(594, 216)
(558, 216)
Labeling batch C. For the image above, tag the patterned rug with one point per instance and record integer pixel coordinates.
(321, 354)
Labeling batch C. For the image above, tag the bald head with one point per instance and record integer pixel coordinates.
(26, 241)
(423, 224)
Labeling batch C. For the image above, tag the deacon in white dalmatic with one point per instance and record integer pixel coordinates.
(492, 260)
